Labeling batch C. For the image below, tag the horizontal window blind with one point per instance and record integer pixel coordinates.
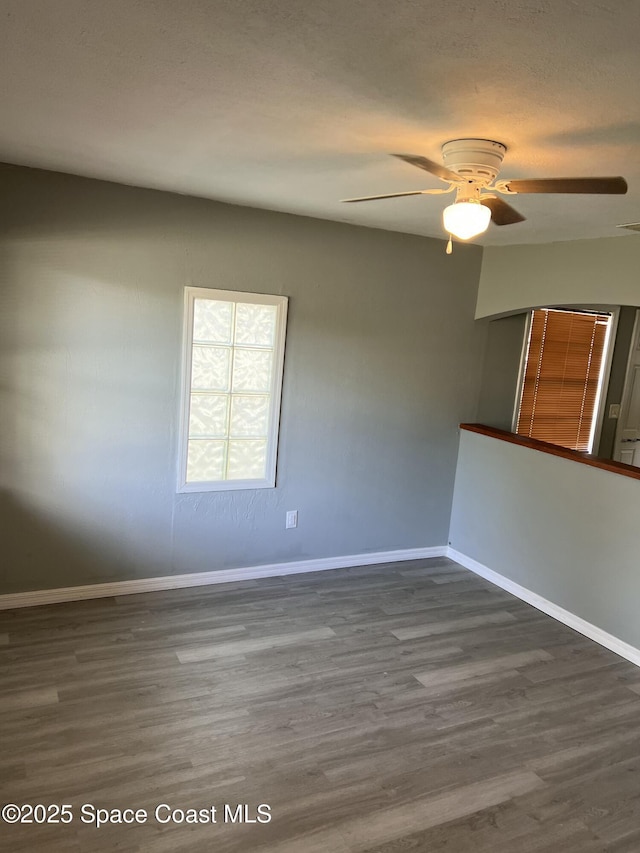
(562, 377)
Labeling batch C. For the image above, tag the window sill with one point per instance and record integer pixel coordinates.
(225, 486)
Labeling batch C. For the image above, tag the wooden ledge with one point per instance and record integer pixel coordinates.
(556, 450)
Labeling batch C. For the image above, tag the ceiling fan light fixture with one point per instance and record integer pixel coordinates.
(470, 168)
(466, 219)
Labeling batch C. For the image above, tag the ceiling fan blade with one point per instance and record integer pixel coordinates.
(430, 166)
(376, 197)
(609, 186)
(501, 212)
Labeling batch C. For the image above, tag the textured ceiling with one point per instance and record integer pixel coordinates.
(293, 104)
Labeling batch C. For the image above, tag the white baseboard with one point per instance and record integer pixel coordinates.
(167, 582)
(131, 587)
(614, 644)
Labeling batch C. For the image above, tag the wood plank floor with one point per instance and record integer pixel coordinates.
(407, 707)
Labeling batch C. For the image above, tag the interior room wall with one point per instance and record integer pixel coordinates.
(576, 272)
(501, 371)
(382, 361)
(563, 530)
(617, 376)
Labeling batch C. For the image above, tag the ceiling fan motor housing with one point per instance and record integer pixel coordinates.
(478, 160)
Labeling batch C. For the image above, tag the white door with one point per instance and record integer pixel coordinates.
(627, 446)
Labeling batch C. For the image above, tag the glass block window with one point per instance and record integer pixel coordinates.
(232, 379)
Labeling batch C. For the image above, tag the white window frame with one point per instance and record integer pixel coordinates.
(275, 392)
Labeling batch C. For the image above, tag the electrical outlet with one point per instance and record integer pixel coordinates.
(292, 519)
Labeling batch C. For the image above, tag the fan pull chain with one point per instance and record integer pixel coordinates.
(449, 246)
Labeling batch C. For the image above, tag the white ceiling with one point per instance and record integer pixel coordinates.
(294, 104)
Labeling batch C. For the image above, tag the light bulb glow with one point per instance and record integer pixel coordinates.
(466, 219)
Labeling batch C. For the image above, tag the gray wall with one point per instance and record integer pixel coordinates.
(501, 371)
(383, 360)
(576, 272)
(564, 530)
(615, 389)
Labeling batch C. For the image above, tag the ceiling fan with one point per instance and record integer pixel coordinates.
(471, 167)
